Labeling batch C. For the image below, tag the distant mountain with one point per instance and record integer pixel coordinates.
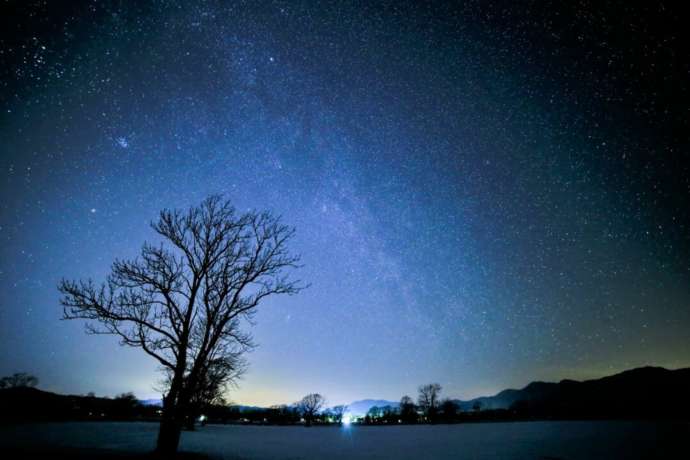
(159, 403)
(151, 402)
(645, 390)
(502, 400)
(360, 408)
(242, 408)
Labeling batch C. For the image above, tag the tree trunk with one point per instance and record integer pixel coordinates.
(185, 407)
(170, 428)
(171, 419)
(168, 437)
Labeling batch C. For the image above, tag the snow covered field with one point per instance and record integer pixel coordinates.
(525, 440)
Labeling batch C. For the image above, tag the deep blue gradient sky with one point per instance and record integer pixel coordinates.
(483, 195)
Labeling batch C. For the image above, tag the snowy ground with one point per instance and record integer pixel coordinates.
(527, 440)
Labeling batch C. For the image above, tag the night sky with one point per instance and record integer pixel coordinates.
(483, 195)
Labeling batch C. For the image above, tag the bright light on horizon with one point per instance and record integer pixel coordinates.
(347, 419)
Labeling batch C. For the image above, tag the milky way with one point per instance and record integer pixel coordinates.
(483, 195)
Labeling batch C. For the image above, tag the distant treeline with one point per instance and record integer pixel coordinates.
(20, 404)
(645, 393)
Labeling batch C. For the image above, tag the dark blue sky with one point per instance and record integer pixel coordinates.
(484, 195)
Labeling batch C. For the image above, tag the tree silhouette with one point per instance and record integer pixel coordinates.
(388, 414)
(337, 412)
(309, 406)
(282, 414)
(17, 380)
(408, 411)
(373, 414)
(182, 300)
(125, 405)
(449, 410)
(428, 400)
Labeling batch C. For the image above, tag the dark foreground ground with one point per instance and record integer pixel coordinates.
(520, 440)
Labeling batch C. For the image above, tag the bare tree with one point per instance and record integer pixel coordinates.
(125, 405)
(449, 410)
(18, 380)
(182, 300)
(338, 412)
(374, 413)
(428, 399)
(408, 412)
(283, 414)
(309, 406)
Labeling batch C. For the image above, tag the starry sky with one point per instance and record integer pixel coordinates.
(484, 194)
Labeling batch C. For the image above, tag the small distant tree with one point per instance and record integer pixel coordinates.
(477, 406)
(408, 411)
(374, 414)
(125, 405)
(388, 414)
(282, 414)
(128, 398)
(428, 400)
(449, 410)
(19, 380)
(309, 407)
(337, 413)
(182, 300)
